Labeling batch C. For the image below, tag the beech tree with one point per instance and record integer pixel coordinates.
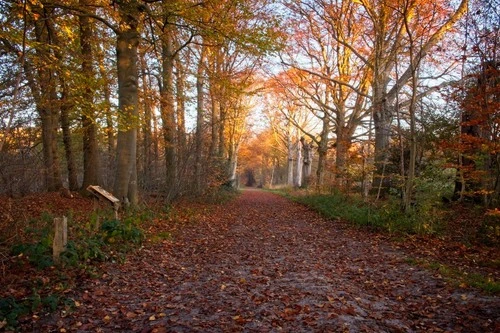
(335, 81)
(386, 28)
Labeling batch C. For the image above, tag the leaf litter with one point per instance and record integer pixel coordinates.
(263, 264)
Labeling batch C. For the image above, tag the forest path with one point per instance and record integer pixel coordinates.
(263, 264)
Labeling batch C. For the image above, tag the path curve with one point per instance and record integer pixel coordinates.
(264, 264)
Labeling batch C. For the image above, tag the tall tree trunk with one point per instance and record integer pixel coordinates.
(91, 165)
(48, 102)
(214, 123)
(307, 164)
(341, 154)
(414, 64)
(299, 162)
(67, 139)
(125, 187)
(222, 129)
(147, 137)
(233, 164)
(200, 97)
(322, 152)
(168, 110)
(106, 92)
(181, 107)
(289, 146)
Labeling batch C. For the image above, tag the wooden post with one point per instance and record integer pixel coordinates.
(60, 238)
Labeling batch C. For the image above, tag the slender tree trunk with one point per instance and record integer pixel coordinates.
(147, 139)
(67, 140)
(290, 156)
(222, 127)
(233, 164)
(214, 122)
(106, 92)
(199, 119)
(181, 107)
(298, 167)
(168, 111)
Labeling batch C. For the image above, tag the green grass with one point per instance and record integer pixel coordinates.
(386, 216)
(457, 277)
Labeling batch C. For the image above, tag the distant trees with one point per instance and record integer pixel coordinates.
(358, 66)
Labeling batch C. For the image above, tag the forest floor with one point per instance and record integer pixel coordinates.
(261, 263)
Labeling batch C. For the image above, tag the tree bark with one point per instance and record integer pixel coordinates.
(200, 97)
(47, 103)
(147, 137)
(289, 146)
(299, 162)
(306, 146)
(126, 150)
(91, 165)
(168, 111)
(181, 107)
(68, 141)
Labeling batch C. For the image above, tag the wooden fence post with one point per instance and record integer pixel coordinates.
(60, 238)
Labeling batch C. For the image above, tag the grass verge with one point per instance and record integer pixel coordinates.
(457, 277)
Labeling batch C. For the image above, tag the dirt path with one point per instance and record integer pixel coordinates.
(263, 264)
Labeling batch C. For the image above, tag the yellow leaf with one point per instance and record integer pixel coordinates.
(152, 318)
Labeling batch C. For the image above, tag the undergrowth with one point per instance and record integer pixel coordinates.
(90, 242)
(385, 216)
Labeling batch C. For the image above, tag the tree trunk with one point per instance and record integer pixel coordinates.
(299, 162)
(341, 154)
(168, 111)
(307, 164)
(290, 157)
(382, 120)
(322, 152)
(222, 125)
(48, 102)
(91, 166)
(106, 91)
(181, 108)
(147, 137)
(67, 140)
(233, 164)
(126, 53)
(214, 122)
(199, 120)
